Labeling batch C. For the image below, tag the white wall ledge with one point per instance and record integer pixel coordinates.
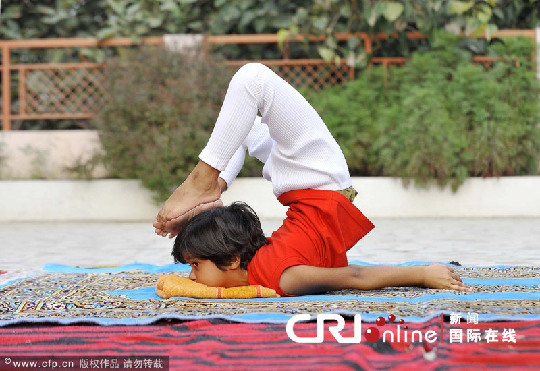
(126, 200)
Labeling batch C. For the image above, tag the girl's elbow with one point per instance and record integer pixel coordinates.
(298, 280)
(289, 282)
(360, 280)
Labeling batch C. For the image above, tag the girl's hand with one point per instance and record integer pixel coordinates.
(438, 276)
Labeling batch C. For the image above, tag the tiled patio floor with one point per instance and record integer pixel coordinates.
(468, 241)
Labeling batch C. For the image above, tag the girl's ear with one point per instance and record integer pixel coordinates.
(235, 264)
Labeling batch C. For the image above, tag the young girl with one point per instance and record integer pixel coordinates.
(307, 254)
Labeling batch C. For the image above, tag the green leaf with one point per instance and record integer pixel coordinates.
(10, 29)
(57, 18)
(155, 22)
(479, 31)
(260, 24)
(392, 10)
(133, 10)
(106, 33)
(459, 7)
(282, 35)
(372, 16)
(302, 13)
(140, 30)
(326, 53)
(453, 28)
(247, 18)
(498, 13)
(320, 23)
(361, 59)
(331, 42)
(485, 15)
(346, 10)
(117, 7)
(12, 11)
(88, 52)
(168, 5)
(351, 59)
(490, 30)
(282, 21)
(56, 56)
(353, 42)
(45, 10)
(356, 59)
(472, 25)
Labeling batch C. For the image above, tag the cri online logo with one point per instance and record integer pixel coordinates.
(372, 334)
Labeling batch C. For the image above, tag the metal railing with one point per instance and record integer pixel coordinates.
(74, 90)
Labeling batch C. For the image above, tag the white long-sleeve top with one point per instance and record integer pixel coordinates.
(290, 138)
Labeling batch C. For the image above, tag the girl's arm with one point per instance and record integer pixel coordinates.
(304, 279)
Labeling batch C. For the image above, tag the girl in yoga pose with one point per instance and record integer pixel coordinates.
(226, 247)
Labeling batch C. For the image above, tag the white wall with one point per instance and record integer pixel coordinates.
(126, 200)
(387, 198)
(46, 154)
(68, 200)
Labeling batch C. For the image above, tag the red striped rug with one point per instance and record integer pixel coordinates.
(218, 344)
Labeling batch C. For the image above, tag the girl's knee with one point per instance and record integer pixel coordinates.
(248, 71)
(248, 79)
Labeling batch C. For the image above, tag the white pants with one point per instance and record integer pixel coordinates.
(291, 138)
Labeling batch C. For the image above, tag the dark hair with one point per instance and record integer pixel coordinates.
(220, 235)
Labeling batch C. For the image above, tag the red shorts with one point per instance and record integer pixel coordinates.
(321, 226)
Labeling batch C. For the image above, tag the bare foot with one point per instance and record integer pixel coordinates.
(201, 186)
(199, 190)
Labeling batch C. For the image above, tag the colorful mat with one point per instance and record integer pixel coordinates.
(219, 344)
(126, 295)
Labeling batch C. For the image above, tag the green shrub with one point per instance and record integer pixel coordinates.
(440, 117)
(161, 109)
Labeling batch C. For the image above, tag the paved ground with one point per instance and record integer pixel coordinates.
(468, 241)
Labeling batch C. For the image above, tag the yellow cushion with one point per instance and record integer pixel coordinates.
(169, 285)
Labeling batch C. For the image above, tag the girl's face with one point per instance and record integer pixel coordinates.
(206, 272)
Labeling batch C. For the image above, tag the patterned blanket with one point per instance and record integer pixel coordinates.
(126, 295)
(222, 345)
